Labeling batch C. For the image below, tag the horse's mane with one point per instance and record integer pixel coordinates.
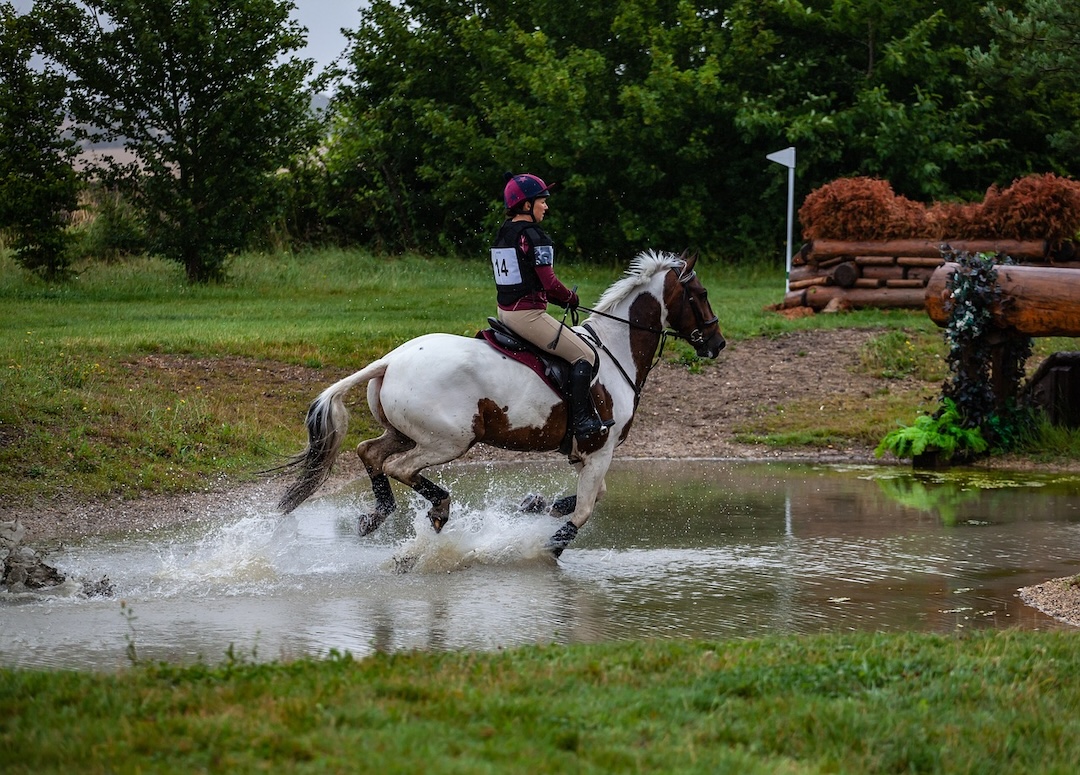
(643, 268)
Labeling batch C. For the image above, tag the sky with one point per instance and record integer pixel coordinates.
(323, 19)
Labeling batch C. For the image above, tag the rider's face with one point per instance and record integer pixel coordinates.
(540, 207)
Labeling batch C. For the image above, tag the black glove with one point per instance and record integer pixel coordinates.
(573, 302)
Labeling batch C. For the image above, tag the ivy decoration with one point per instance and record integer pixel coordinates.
(972, 337)
(970, 421)
(974, 291)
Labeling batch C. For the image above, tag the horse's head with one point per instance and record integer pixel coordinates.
(688, 310)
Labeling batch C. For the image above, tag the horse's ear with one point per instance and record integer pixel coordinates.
(690, 261)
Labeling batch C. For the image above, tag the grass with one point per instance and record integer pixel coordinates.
(95, 401)
(909, 361)
(867, 703)
(127, 380)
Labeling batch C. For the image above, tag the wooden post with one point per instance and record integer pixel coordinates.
(1005, 372)
(1036, 300)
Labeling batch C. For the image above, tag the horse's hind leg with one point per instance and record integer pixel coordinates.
(406, 469)
(374, 453)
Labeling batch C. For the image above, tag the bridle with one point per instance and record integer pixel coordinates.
(695, 337)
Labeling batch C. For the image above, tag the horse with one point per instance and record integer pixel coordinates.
(438, 395)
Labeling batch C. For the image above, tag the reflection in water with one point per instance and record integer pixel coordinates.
(706, 549)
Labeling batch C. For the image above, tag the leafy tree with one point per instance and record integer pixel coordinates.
(204, 101)
(623, 103)
(38, 185)
(865, 87)
(656, 116)
(1032, 66)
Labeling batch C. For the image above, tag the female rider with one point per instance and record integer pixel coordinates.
(523, 259)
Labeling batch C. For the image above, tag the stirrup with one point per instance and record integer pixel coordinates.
(586, 430)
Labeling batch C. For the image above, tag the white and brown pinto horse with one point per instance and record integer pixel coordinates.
(439, 394)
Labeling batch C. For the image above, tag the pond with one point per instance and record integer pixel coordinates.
(678, 549)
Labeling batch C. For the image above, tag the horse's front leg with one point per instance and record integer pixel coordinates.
(590, 487)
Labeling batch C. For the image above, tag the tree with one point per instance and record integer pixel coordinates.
(1032, 66)
(38, 185)
(657, 115)
(867, 87)
(205, 102)
(622, 103)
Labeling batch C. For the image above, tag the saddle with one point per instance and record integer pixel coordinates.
(551, 368)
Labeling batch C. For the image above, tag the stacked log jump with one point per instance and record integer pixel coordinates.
(895, 273)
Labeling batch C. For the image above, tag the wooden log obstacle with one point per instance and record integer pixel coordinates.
(895, 273)
(1035, 301)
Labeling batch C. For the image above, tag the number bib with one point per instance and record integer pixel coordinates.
(504, 264)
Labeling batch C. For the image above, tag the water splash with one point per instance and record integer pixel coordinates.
(496, 534)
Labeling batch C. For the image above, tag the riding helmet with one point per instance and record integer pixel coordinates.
(522, 188)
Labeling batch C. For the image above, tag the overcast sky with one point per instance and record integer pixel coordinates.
(323, 19)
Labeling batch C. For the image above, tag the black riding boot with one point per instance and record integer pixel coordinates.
(584, 418)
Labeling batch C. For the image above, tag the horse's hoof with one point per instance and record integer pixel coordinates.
(438, 519)
(533, 504)
(369, 523)
(562, 538)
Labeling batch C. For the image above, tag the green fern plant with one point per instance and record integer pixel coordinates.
(942, 432)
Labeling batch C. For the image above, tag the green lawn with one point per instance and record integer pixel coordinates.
(104, 393)
(990, 702)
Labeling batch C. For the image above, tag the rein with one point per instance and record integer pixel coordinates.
(694, 337)
(611, 356)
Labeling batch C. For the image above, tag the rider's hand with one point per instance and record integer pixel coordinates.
(573, 302)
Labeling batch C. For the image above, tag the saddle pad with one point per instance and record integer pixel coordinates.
(521, 356)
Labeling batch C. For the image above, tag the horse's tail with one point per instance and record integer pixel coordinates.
(327, 423)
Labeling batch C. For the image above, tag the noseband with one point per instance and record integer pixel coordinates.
(696, 336)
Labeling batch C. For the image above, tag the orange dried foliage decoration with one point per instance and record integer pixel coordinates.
(1033, 207)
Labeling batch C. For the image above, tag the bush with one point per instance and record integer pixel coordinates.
(943, 432)
(110, 229)
(859, 209)
(1035, 207)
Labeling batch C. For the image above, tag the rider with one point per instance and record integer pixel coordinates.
(522, 259)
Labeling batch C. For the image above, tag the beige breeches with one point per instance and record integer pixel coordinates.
(540, 328)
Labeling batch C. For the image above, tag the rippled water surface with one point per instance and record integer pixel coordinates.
(704, 549)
